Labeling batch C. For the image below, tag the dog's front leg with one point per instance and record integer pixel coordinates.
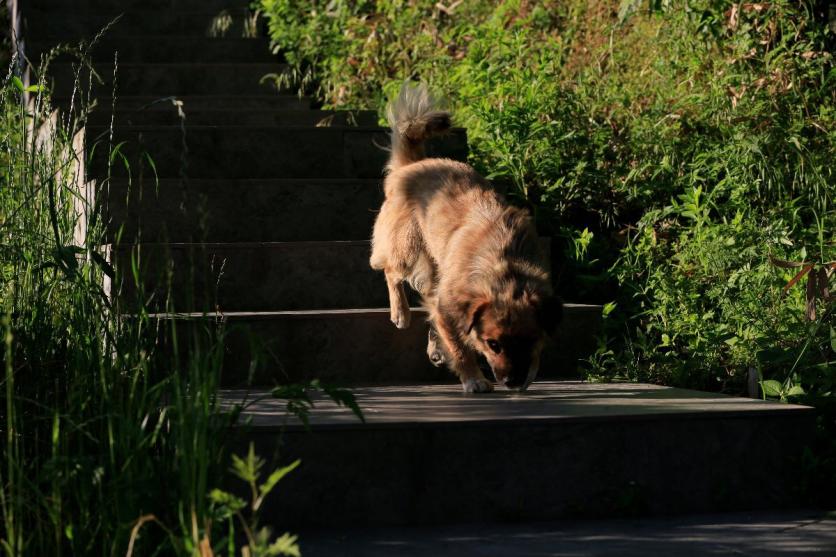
(434, 350)
(462, 360)
(398, 304)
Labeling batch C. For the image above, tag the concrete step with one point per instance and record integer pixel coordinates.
(70, 25)
(82, 6)
(134, 103)
(775, 533)
(165, 114)
(262, 152)
(165, 49)
(356, 346)
(241, 210)
(255, 275)
(166, 79)
(428, 454)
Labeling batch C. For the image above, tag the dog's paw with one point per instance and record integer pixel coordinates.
(477, 385)
(436, 358)
(434, 353)
(401, 319)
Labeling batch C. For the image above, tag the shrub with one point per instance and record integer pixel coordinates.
(671, 148)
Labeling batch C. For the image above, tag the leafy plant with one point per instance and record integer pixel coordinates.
(112, 435)
(227, 506)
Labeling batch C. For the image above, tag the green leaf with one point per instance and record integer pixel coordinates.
(247, 468)
(35, 88)
(833, 339)
(106, 267)
(796, 390)
(228, 501)
(276, 476)
(18, 83)
(285, 545)
(343, 397)
(771, 388)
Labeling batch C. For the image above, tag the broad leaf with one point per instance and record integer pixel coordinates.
(771, 388)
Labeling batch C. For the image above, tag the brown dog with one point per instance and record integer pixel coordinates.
(474, 259)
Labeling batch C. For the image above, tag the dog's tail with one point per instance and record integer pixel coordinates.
(414, 117)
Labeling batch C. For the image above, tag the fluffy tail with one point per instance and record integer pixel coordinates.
(414, 117)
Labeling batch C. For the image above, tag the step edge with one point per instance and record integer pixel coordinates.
(319, 313)
(256, 181)
(293, 127)
(237, 245)
(783, 411)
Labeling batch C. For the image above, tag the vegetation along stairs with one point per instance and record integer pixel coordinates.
(262, 212)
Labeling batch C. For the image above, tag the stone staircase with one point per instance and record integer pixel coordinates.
(263, 209)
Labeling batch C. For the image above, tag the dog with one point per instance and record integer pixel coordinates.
(474, 259)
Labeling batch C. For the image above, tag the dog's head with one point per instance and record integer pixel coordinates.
(511, 334)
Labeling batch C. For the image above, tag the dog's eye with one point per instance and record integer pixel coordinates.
(493, 345)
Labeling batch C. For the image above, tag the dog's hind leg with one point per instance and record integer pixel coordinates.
(424, 280)
(399, 311)
(396, 245)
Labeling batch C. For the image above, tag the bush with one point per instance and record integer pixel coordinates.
(675, 148)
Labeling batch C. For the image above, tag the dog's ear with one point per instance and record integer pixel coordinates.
(550, 313)
(474, 313)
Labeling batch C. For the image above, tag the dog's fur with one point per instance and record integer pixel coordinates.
(474, 259)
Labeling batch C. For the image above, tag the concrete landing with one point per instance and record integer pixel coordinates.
(763, 534)
(432, 455)
(546, 402)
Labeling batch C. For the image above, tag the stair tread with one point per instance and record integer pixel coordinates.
(243, 245)
(175, 182)
(146, 12)
(142, 65)
(288, 128)
(346, 312)
(550, 402)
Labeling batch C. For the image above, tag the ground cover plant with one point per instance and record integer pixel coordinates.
(680, 152)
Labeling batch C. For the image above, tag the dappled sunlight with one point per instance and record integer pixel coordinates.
(547, 401)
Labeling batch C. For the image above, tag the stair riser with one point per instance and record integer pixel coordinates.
(286, 277)
(258, 277)
(192, 103)
(164, 80)
(265, 152)
(69, 26)
(447, 474)
(98, 6)
(364, 349)
(164, 49)
(236, 117)
(342, 350)
(230, 211)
